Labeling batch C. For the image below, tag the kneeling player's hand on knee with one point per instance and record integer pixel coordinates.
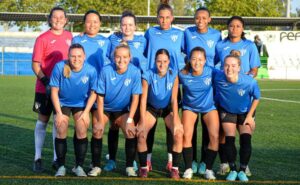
(250, 122)
(177, 129)
(60, 119)
(85, 117)
(141, 130)
(130, 128)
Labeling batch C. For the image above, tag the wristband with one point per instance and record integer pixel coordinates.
(45, 80)
(129, 120)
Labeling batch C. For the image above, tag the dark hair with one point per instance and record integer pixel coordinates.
(74, 46)
(164, 6)
(239, 19)
(203, 9)
(234, 54)
(94, 12)
(188, 66)
(128, 14)
(162, 51)
(57, 8)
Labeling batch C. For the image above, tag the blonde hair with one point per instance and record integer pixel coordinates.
(123, 44)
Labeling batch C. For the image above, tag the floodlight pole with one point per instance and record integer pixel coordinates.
(288, 8)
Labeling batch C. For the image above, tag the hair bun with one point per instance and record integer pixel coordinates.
(164, 2)
(235, 53)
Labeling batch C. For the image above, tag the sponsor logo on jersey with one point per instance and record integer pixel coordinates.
(136, 45)
(190, 81)
(69, 42)
(53, 41)
(127, 81)
(113, 78)
(174, 38)
(224, 84)
(169, 85)
(243, 52)
(119, 40)
(158, 33)
(241, 92)
(226, 48)
(207, 81)
(83, 41)
(101, 43)
(84, 79)
(155, 81)
(210, 43)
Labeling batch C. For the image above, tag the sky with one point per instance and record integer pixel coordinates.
(294, 5)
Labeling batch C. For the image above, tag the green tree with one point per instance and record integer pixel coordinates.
(26, 6)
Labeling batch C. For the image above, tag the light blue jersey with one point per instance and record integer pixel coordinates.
(198, 91)
(137, 49)
(235, 98)
(75, 90)
(119, 88)
(96, 50)
(249, 54)
(159, 88)
(207, 41)
(171, 40)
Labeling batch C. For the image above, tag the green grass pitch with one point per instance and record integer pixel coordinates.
(276, 141)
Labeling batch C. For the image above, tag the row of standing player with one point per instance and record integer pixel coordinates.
(168, 35)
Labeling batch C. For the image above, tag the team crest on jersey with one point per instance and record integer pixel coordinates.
(101, 43)
(243, 52)
(174, 38)
(127, 81)
(68, 41)
(84, 79)
(136, 45)
(241, 92)
(169, 85)
(207, 81)
(210, 43)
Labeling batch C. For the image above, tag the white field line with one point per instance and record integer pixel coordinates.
(279, 90)
(280, 100)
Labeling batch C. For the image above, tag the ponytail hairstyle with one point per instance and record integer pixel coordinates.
(234, 54)
(53, 10)
(127, 13)
(164, 5)
(188, 66)
(239, 19)
(67, 67)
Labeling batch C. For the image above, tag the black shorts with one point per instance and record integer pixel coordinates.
(159, 112)
(67, 110)
(112, 116)
(232, 118)
(42, 104)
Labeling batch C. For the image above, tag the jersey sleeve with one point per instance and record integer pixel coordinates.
(38, 49)
(182, 43)
(137, 85)
(147, 43)
(217, 54)
(254, 57)
(101, 83)
(255, 91)
(146, 76)
(55, 76)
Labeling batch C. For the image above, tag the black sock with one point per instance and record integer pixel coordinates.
(61, 150)
(210, 156)
(222, 153)
(150, 138)
(245, 150)
(231, 151)
(169, 138)
(194, 140)
(205, 139)
(112, 143)
(176, 158)
(143, 158)
(130, 149)
(188, 157)
(80, 151)
(96, 150)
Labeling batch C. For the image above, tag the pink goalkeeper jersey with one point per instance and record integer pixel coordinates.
(48, 50)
